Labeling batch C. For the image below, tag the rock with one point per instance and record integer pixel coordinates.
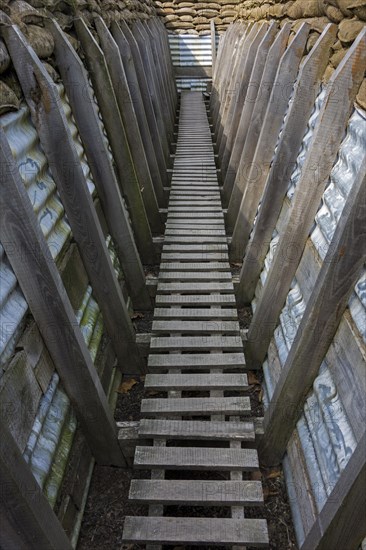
(349, 30)
(361, 96)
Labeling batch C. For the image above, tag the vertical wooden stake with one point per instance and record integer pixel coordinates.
(80, 95)
(49, 118)
(213, 44)
(30, 258)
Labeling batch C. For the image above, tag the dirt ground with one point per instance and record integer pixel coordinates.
(108, 504)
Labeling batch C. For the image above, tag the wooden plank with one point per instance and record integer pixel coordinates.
(195, 406)
(196, 493)
(195, 276)
(57, 143)
(213, 43)
(194, 256)
(202, 248)
(341, 522)
(153, 151)
(113, 124)
(210, 266)
(210, 326)
(194, 288)
(191, 72)
(196, 531)
(196, 381)
(322, 153)
(195, 313)
(153, 193)
(196, 299)
(227, 343)
(340, 271)
(28, 253)
(27, 519)
(142, 86)
(262, 137)
(300, 108)
(195, 458)
(197, 430)
(196, 361)
(172, 239)
(82, 103)
(253, 97)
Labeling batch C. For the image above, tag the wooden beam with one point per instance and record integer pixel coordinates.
(341, 91)
(261, 141)
(80, 95)
(30, 258)
(341, 522)
(27, 519)
(126, 108)
(153, 151)
(302, 103)
(202, 71)
(113, 124)
(50, 121)
(158, 138)
(213, 43)
(338, 275)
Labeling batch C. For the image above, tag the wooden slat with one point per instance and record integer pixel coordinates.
(194, 287)
(197, 361)
(195, 406)
(345, 81)
(199, 239)
(195, 458)
(29, 255)
(191, 343)
(195, 313)
(195, 276)
(209, 266)
(305, 90)
(196, 381)
(198, 492)
(196, 299)
(196, 531)
(198, 248)
(184, 327)
(197, 430)
(82, 103)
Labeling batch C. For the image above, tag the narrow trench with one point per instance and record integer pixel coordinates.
(108, 503)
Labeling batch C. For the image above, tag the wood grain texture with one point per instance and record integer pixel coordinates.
(196, 430)
(195, 406)
(341, 91)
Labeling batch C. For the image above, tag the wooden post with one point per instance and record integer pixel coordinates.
(80, 95)
(49, 118)
(158, 138)
(213, 44)
(328, 134)
(338, 275)
(108, 105)
(126, 108)
(233, 115)
(261, 141)
(30, 258)
(302, 103)
(266, 84)
(27, 519)
(341, 522)
(253, 96)
(153, 150)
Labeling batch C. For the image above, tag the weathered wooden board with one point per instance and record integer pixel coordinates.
(196, 361)
(197, 430)
(195, 313)
(196, 381)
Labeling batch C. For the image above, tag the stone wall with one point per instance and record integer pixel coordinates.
(349, 15)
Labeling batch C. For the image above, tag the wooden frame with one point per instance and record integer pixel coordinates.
(338, 275)
(49, 118)
(30, 258)
(341, 91)
(80, 95)
(108, 105)
(302, 103)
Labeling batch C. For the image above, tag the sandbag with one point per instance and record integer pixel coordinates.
(41, 40)
(349, 29)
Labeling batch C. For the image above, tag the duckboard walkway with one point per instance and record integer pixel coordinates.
(201, 428)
